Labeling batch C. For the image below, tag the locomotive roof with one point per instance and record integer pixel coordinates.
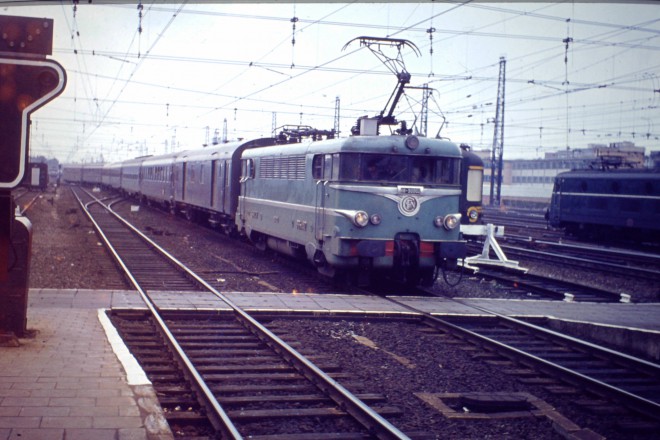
(363, 144)
(639, 173)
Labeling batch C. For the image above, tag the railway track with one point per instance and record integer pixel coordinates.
(637, 264)
(531, 286)
(149, 266)
(533, 228)
(23, 206)
(530, 236)
(351, 417)
(516, 220)
(616, 377)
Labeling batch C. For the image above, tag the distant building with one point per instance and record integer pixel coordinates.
(529, 182)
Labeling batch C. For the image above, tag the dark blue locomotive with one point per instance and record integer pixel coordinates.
(614, 204)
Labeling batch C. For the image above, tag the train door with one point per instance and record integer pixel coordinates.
(184, 181)
(214, 184)
(321, 171)
(179, 178)
(171, 182)
(222, 186)
(218, 197)
(247, 172)
(227, 187)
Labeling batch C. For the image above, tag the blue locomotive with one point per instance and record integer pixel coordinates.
(357, 206)
(617, 204)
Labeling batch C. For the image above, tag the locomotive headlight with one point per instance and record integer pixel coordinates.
(473, 214)
(375, 219)
(451, 221)
(361, 219)
(438, 221)
(412, 142)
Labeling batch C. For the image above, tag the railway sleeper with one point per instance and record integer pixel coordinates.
(242, 416)
(256, 388)
(229, 360)
(251, 368)
(307, 398)
(271, 376)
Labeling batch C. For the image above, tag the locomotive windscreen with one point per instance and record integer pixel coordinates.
(396, 169)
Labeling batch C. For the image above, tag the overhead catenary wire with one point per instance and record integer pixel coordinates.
(304, 99)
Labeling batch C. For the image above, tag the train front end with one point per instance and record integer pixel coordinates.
(388, 207)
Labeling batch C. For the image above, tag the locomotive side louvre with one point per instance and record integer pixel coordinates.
(317, 200)
(623, 202)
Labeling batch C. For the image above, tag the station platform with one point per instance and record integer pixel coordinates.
(75, 380)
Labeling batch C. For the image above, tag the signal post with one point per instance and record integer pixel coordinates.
(28, 80)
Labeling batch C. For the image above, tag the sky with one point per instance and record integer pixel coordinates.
(171, 76)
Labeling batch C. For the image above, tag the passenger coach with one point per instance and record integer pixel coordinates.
(359, 205)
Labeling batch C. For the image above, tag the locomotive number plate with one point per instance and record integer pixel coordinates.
(409, 189)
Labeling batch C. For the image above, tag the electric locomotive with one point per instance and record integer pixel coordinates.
(619, 204)
(358, 206)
